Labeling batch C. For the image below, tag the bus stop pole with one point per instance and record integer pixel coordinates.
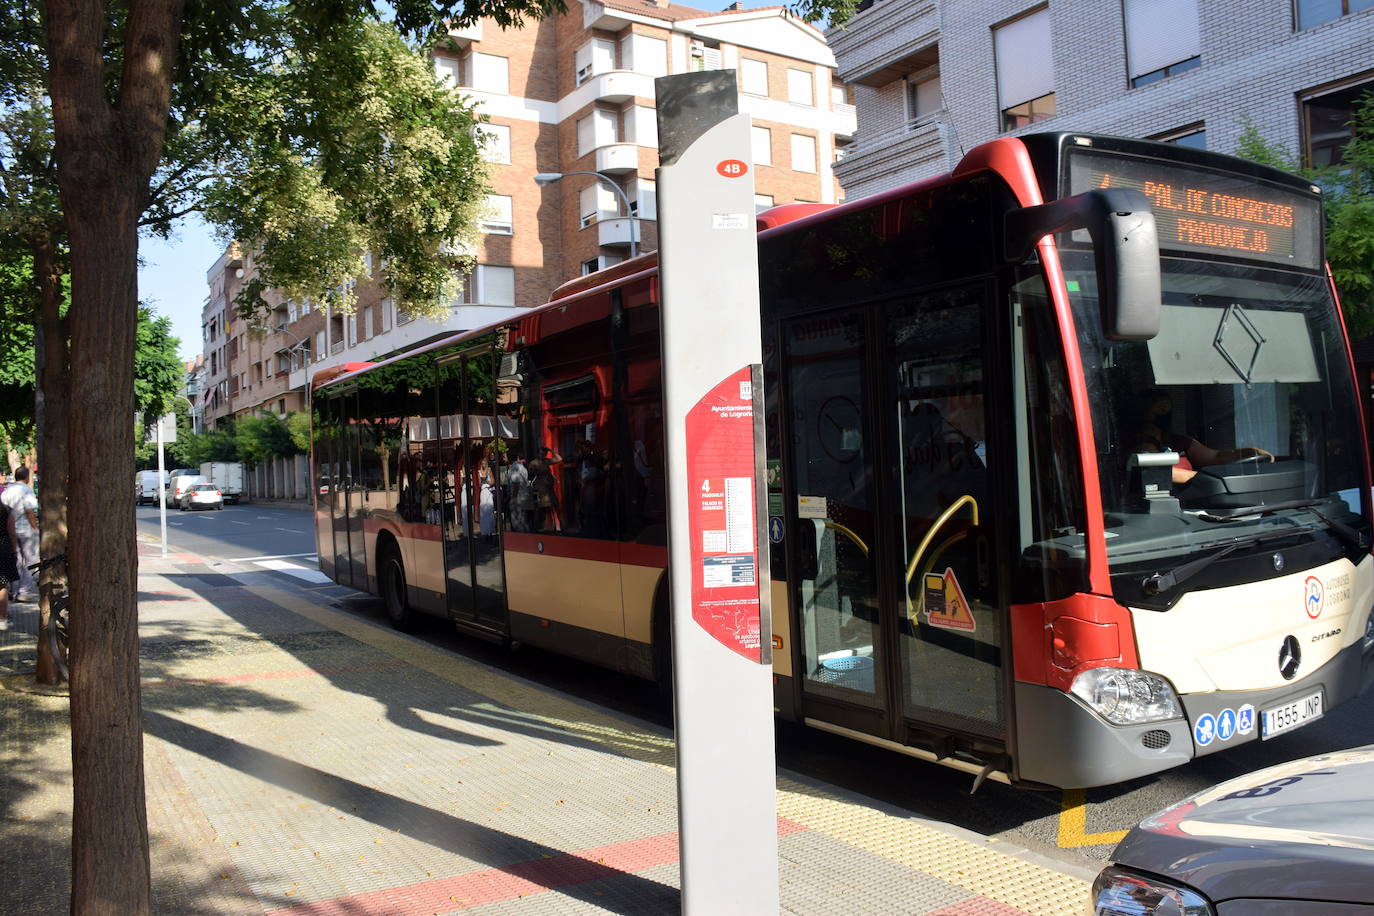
(161, 489)
(713, 421)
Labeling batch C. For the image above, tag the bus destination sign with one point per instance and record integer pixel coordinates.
(1198, 210)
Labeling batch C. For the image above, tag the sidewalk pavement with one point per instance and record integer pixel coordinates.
(301, 761)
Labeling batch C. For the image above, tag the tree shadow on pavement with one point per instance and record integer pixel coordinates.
(454, 835)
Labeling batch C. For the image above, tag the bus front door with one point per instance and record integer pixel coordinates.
(899, 621)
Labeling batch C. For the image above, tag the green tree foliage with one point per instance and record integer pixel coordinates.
(263, 437)
(158, 372)
(298, 425)
(1349, 209)
(349, 144)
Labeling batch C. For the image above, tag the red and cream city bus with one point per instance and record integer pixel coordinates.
(1066, 483)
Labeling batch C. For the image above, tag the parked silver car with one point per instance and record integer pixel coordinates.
(202, 496)
(1295, 839)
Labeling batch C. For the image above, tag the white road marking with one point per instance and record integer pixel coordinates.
(292, 530)
(278, 556)
(300, 572)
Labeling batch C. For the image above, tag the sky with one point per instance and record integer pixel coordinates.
(172, 279)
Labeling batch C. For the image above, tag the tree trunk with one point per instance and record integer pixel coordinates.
(106, 153)
(52, 417)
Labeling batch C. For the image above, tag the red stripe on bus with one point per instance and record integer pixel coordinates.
(1054, 641)
(1009, 159)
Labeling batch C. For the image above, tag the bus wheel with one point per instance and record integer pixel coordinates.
(391, 578)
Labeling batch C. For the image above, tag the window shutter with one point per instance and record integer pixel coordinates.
(1160, 33)
(1025, 66)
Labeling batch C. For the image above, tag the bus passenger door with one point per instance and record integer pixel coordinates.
(472, 474)
(844, 659)
(945, 456)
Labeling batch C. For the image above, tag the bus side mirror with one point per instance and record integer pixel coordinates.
(1125, 250)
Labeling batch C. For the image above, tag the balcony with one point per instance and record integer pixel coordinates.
(615, 233)
(461, 38)
(887, 41)
(615, 158)
(617, 86)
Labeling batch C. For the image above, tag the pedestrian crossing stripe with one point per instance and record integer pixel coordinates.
(952, 613)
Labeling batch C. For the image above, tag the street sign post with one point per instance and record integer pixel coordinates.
(713, 417)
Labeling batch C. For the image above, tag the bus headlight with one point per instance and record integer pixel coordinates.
(1118, 892)
(1126, 696)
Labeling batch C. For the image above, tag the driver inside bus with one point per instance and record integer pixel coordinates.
(1152, 434)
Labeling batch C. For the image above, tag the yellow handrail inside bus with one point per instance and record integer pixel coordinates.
(965, 500)
(847, 533)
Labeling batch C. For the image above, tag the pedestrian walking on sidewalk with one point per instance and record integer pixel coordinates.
(22, 504)
(9, 566)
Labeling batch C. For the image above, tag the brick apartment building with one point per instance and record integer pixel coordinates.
(573, 93)
(933, 78)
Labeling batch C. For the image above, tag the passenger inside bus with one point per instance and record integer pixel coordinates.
(1152, 433)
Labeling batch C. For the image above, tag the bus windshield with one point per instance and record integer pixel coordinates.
(1235, 428)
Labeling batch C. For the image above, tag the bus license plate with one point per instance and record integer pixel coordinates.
(1290, 715)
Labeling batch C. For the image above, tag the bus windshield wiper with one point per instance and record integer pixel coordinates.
(1350, 535)
(1265, 509)
(1163, 581)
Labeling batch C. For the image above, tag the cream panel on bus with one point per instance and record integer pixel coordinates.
(424, 561)
(637, 586)
(581, 593)
(1229, 638)
(781, 612)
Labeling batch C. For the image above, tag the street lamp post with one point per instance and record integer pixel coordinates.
(301, 345)
(547, 178)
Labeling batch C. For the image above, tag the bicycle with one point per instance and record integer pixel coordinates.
(57, 633)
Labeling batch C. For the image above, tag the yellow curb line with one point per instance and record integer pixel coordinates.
(1073, 821)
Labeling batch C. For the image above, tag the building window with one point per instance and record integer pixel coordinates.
(385, 309)
(923, 97)
(1326, 123)
(449, 70)
(1316, 12)
(753, 76)
(1161, 39)
(763, 146)
(596, 202)
(801, 87)
(592, 265)
(1025, 69)
(705, 55)
(490, 73)
(494, 285)
(595, 130)
(1194, 135)
(596, 56)
(762, 202)
(643, 54)
(495, 142)
(643, 198)
(803, 153)
(496, 216)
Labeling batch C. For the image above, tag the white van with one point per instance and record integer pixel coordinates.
(180, 485)
(146, 484)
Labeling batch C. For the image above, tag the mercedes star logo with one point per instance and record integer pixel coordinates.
(1290, 656)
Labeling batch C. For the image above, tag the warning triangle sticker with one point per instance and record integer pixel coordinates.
(954, 612)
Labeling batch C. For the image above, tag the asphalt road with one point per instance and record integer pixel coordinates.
(1076, 827)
